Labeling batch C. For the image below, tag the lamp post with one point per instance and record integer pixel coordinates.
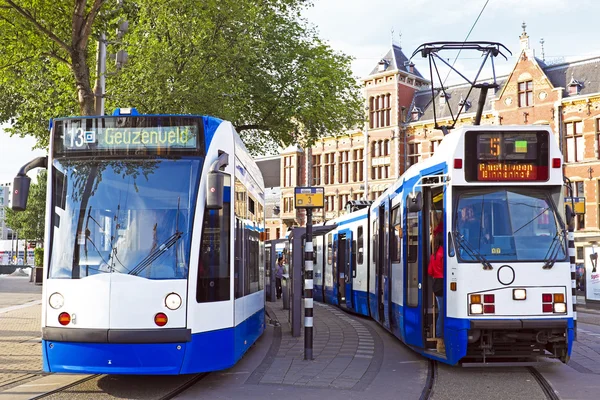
(366, 156)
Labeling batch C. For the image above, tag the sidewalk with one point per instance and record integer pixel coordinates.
(20, 332)
(353, 359)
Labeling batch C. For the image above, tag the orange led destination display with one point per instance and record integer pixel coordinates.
(500, 171)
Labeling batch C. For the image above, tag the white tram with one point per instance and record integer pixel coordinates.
(496, 195)
(154, 245)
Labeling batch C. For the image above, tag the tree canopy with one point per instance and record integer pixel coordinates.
(256, 63)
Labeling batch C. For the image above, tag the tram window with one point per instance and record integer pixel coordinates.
(251, 205)
(213, 269)
(412, 281)
(329, 249)
(396, 235)
(361, 247)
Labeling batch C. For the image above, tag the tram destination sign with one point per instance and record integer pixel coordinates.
(309, 197)
(502, 156)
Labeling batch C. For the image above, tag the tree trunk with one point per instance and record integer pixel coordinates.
(81, 71)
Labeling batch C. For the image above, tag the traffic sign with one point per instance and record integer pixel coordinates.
(309, 197)
(579, 204)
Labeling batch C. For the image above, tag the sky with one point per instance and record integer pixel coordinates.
(362, 29)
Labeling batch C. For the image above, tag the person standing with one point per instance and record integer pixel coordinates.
(436, 271)
(279, 271)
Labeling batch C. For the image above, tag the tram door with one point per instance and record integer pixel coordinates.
(345, 268)
(413, 317)
(382, 268)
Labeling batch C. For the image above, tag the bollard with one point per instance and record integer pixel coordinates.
(308, 289)
(571, 246)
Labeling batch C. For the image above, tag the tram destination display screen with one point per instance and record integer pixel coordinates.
(506, 156)
(128, 135)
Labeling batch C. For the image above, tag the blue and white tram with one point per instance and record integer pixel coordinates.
(495, 193)
(155, 244)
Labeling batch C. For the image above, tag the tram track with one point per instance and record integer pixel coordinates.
(430, 381)
(125, 386)
(544, 384)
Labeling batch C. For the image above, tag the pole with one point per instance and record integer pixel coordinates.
(366, 159)
(99, 89)
(571, 238)
(308, 288)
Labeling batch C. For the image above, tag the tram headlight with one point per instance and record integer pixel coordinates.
(173, 301)
(476, 308)
(519, 294)
(56, 300)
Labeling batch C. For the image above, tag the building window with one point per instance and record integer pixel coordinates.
(268, 233)
(574, 139)
(380, 110)
(329, 170)
(329, 203)
(316, 169)
(344, 166)
(343, 199)
(288, 204)
(414, 153)
(359, 165)
(598, 137)
(287, 171)
(435, 144)
(277, 233)
(525, 94)
(579, 191)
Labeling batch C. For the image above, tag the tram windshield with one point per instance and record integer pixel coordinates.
(517, 224)
(123, 216)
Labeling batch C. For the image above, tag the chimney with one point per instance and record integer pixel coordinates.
(411, 67)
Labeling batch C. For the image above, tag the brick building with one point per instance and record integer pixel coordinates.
(400, 132)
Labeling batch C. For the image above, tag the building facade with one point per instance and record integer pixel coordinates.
(362, 163)
(5, 201)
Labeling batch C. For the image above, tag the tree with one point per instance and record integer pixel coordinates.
(253, 62)
(30, 224)
(45, 69)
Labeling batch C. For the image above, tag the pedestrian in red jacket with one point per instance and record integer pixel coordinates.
(436, 271)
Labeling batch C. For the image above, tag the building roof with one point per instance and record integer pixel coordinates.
(585, 72)
(457, 93)
(272, 199)
(396, 59)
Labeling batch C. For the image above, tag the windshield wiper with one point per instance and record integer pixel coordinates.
(473, 253)
(553, 250)
(156, 253)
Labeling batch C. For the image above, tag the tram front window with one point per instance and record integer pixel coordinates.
(508, 225)
(123, 216)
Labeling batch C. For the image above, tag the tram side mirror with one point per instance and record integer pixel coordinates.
(569, 214)
(415, 202)
(214, 190)
(20, 192)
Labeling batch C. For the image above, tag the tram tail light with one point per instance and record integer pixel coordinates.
(556, 163)
(560, 308)
(453, 286)
(488, 298)
(476, 308)
(559, 298)
(458, 163)
(161, 319)
(475, 299)
(547, 307)
(64, 318)
(547, 298)
(489, 309)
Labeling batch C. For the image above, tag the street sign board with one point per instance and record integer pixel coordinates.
(579, 204)
(309, 197)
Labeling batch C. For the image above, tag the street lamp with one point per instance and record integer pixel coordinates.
(366, 156)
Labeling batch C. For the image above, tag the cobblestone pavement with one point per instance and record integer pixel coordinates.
(20, 333)
(347, 354)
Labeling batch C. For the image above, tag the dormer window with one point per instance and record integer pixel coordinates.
(382, 66)
(466, 103)
(574, 86)
(415, 114)
(444, 97)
